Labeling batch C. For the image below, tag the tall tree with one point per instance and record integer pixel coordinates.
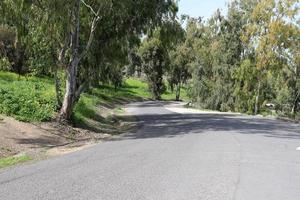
(154, 61)
(268, 32)
(80, 19)
(180, 69)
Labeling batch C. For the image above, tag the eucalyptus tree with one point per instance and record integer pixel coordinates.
(80, 23)
(218, 48)
(198, 38)
(180, 68)
(218, 53)
(269, 32)
(154, 52)
(294, 68)
(289, 71)
(126, 17)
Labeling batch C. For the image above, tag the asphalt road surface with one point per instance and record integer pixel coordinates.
(172, 156)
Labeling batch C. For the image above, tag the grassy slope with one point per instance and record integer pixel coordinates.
(95, 109)
(33, 99)
(27, 98)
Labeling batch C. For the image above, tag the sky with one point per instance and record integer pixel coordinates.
(201, 8)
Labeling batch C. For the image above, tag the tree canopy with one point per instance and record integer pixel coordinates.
(239, 61)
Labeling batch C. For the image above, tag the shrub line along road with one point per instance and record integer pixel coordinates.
(172, 156)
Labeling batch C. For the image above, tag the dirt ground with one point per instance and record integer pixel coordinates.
(45, 139)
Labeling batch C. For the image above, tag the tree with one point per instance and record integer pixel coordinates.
(79, 20)
(218, 50)
(154, 60)
(179, 69)
(179, 55)
(268, 32)
(248, 58)
(154, 52)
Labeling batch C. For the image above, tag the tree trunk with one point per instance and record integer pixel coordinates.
(296, 94)
(72, 68)
(18, 58)
(57, 89)
(256, 109)
(295, 104)
(58, 93)
(70, 95)
(178, 92)
(73, 86)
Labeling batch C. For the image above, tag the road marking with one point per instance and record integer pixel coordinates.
(298, 149)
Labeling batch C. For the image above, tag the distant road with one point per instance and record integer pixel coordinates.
(172, 156)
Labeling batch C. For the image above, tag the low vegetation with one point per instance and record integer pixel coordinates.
(9, 161)
(27, 98)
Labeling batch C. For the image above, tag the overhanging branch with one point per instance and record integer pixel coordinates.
(90, 7)
(91, 37)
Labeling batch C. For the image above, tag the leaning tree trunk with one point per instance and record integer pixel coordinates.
(72, 68)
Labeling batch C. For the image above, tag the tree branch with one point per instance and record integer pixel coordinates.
(91, 37)
(90, 7)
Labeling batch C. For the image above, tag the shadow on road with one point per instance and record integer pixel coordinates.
(173, 125)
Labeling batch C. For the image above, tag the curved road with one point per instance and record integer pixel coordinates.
(172, 156)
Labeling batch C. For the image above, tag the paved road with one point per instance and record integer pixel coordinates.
(172, 156)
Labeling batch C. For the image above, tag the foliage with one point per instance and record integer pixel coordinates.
(247, 58)
(235, 62)
(180, 68)
(154, 61)
(88, 39)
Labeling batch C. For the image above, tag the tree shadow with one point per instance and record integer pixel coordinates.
(149, 104)
(174, 125)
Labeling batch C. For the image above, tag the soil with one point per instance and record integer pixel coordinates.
(37, 139)
(47, 139)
